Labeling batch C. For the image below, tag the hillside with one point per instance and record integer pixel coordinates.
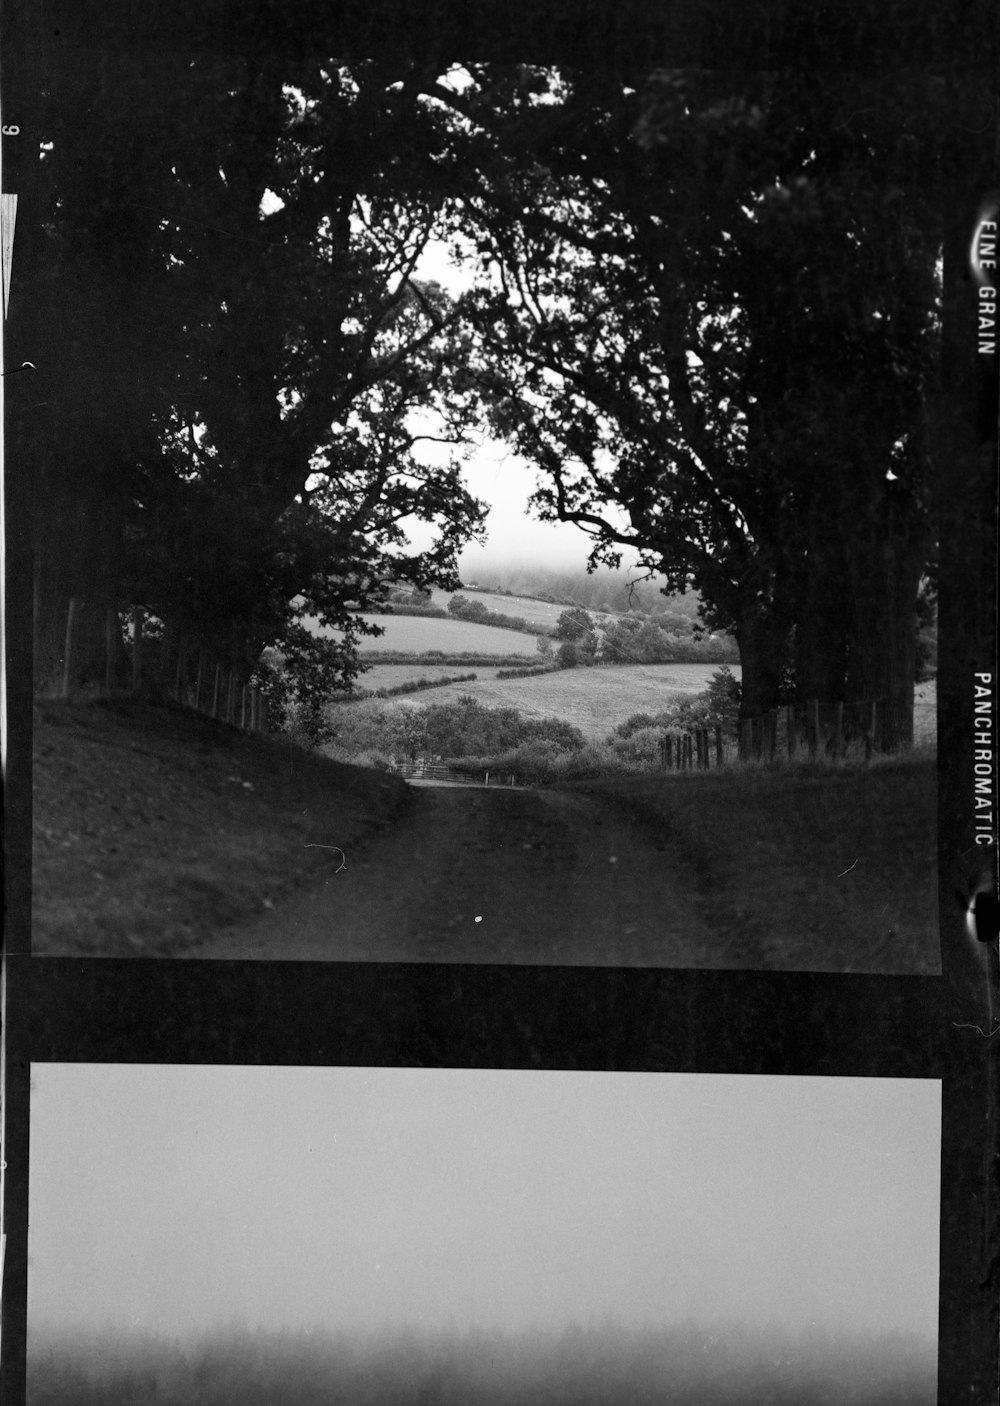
(594, 700)
(413, 634)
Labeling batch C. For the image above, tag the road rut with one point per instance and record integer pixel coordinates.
(495, 875)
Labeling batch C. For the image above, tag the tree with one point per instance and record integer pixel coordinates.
(229, 303)
(635, 347)
(577, 626)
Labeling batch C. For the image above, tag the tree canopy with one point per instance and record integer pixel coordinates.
(714, 306)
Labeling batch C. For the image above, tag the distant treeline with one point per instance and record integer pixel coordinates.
(457, 660)
(605, 591)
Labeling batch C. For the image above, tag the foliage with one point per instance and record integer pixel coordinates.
(717, 706)
(576, 626)
(523, 673)
(452, 730)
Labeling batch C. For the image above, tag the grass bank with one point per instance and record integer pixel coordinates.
(845, 854)
(154, 826)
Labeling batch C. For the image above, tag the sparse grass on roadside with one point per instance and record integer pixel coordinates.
(155, 826)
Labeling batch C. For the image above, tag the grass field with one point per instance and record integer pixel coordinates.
(610, 1364)
(416, 635)
(594, 700)
(535, 612)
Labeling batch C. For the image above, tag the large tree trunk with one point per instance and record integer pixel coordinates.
(882, 637)
(820, 639)
(763, 644)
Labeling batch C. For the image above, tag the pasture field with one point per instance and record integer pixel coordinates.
(535, 612)
(414, 634)
(594, 700)
(925, 714)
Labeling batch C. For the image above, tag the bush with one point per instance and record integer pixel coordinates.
(641, 747)
(633, 724)
(555, 732)
(528, 673)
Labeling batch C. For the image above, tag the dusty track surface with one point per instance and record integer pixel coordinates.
(495, 875)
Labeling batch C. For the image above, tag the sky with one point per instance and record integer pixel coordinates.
(176, 1198)
(500, 478)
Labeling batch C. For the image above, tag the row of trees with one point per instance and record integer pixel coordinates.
(239, 366)
(464, 728)
(713, 304)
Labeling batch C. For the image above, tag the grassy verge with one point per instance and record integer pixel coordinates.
(845, 854)
(154, 826)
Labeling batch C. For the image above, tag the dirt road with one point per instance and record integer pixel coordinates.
(497, 875)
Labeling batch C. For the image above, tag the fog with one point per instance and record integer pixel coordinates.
(174, 1198)
(505, 482)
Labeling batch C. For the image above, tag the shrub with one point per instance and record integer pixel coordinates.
(528, 673)
(641, 747)
(633, 724)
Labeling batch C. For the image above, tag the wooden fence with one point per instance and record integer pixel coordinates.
(814, 729)
(440, 771)
(193, 677)
(692, 751)
(827, 730)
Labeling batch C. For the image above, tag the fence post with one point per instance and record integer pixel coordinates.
(69, 647)
(870, 731)
(181, 668)
(744, 739)
(230, 696)
(110, 649)
(718, 744)
(138, 617)
(215, 690)
(838, 732)
(790, 730)
(813, 726)
(243, 707)
(487, 781)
